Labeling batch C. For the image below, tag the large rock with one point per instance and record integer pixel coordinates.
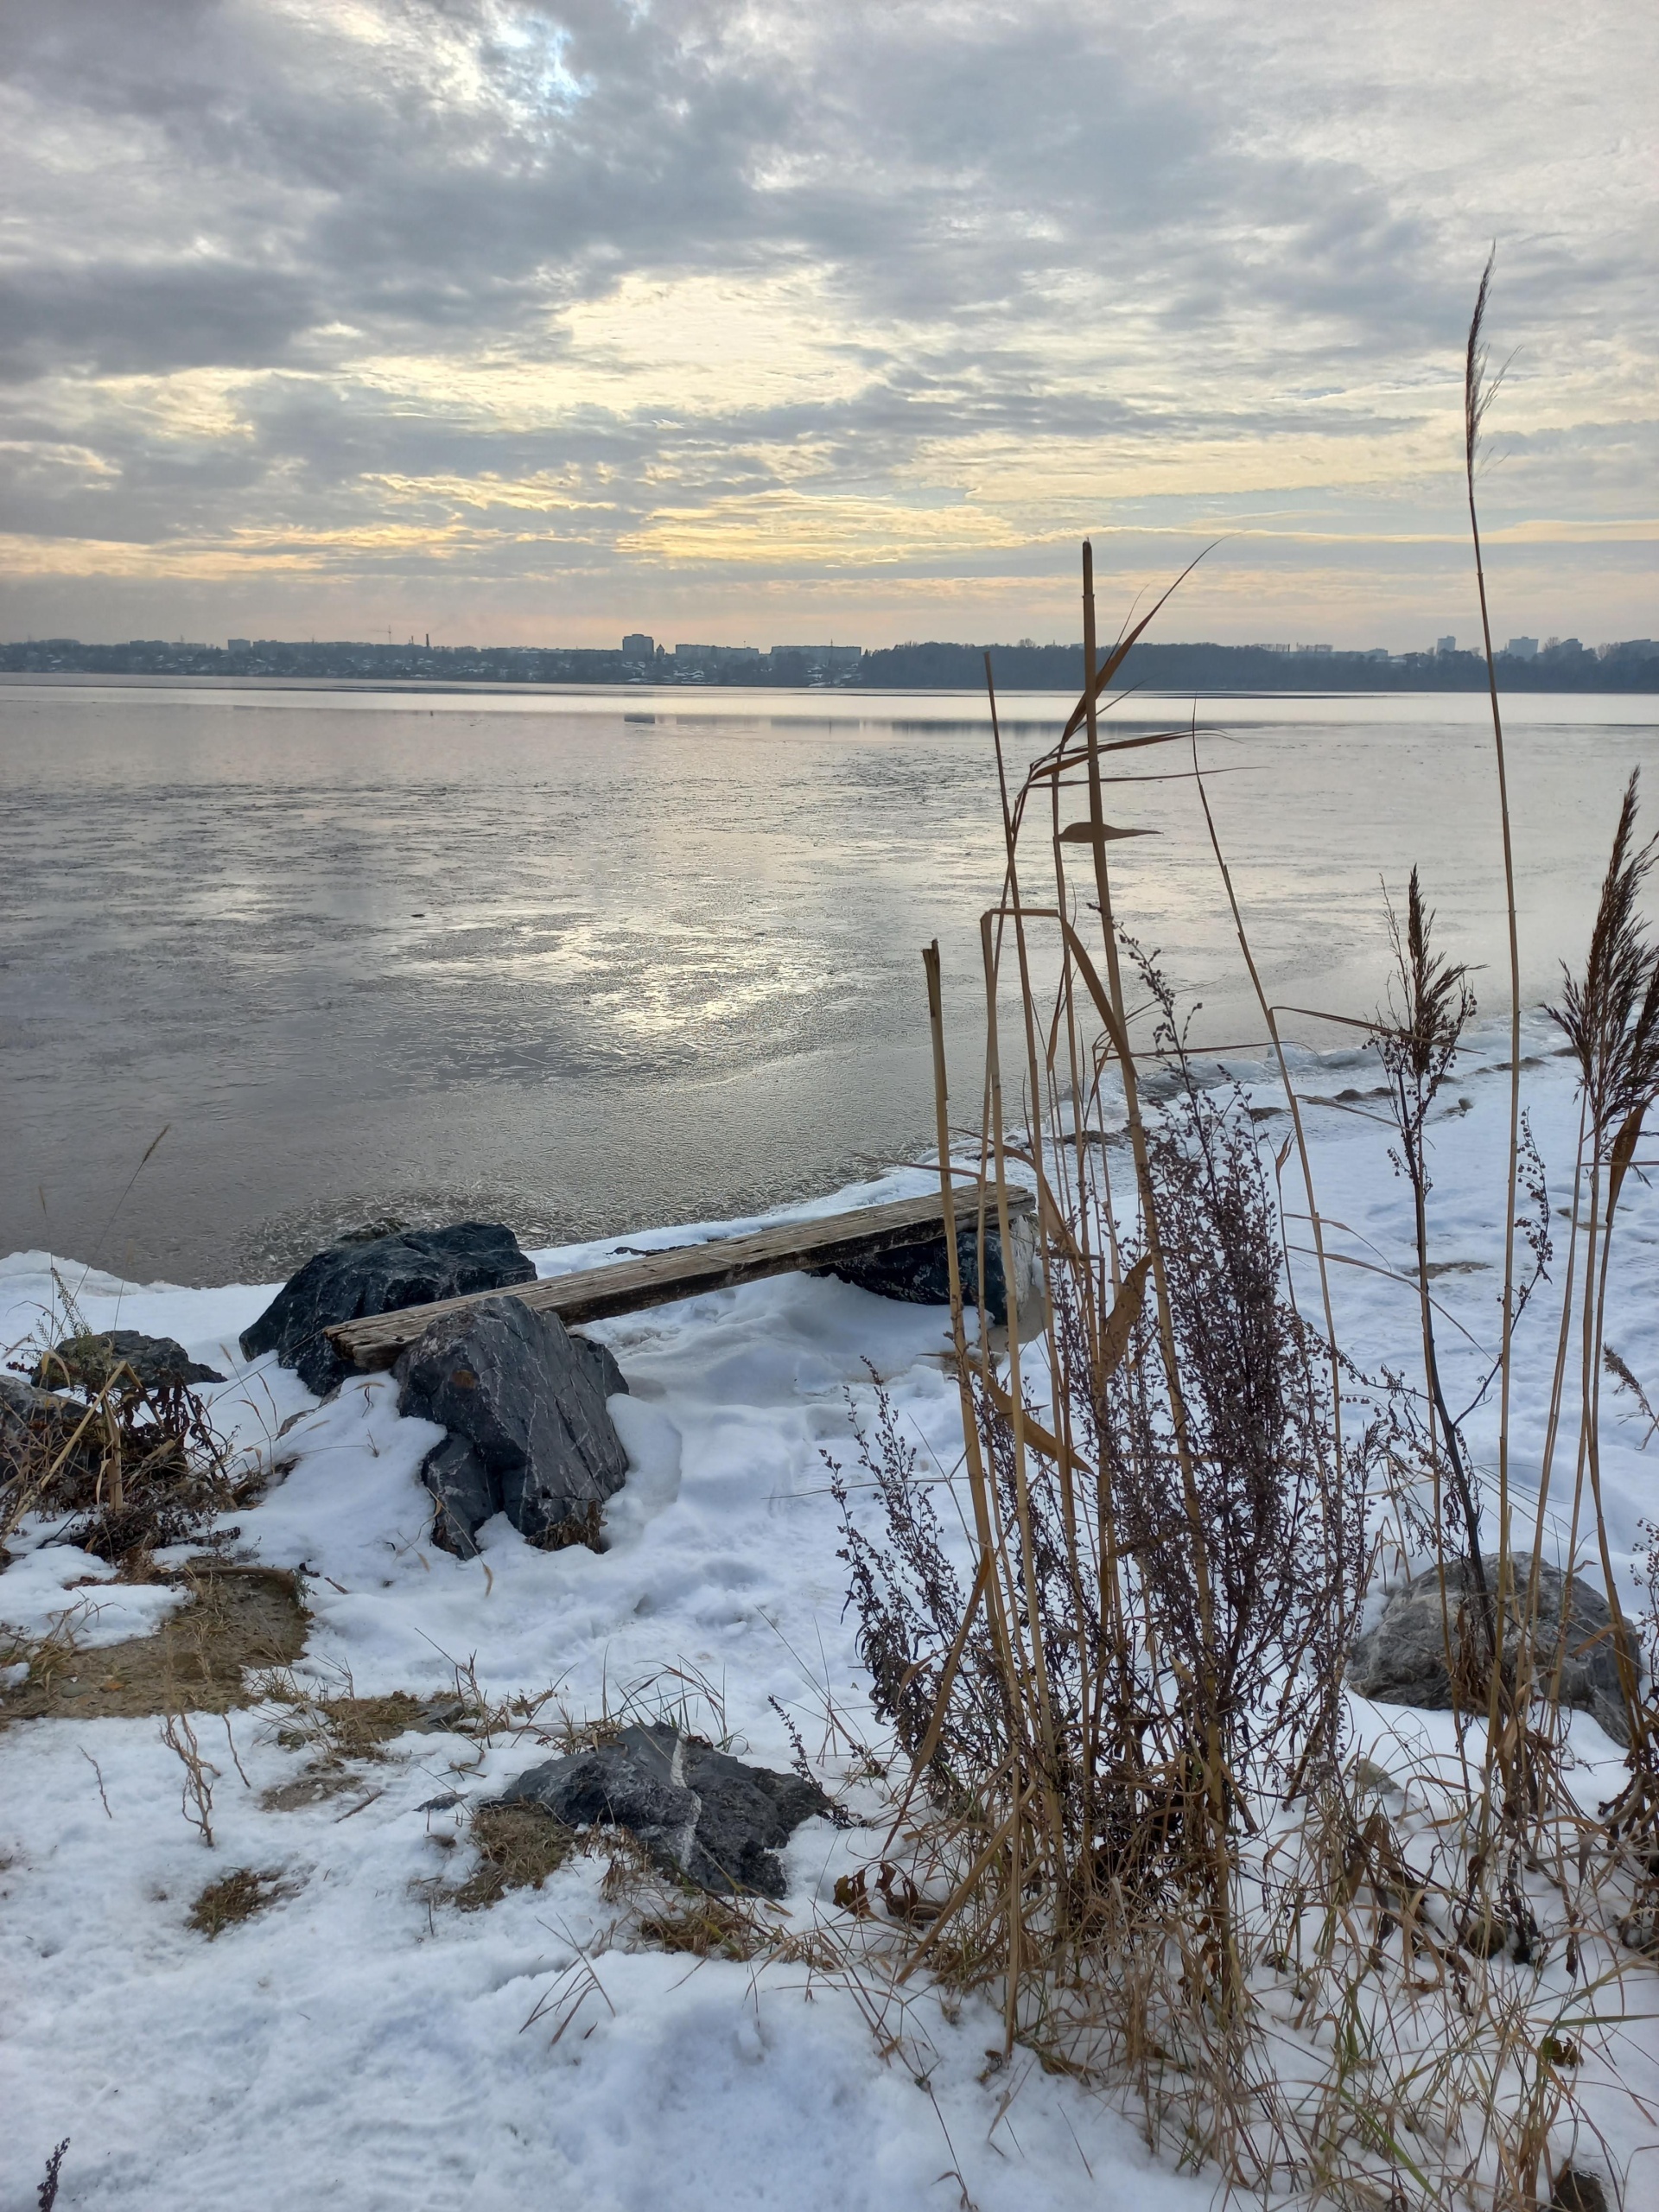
(37, 1427)
(1402, 1660)
(352, 1279)
(523, 1403)
(919, 1275)
(88, 1363)
(699, 1813)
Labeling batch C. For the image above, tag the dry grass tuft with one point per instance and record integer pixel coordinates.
(357, 1728)
(237, 1620)
(518, 1847)
(312, 1788)
(131, 1466)
(584, 1528)
(705, 1927)
(235, 1898)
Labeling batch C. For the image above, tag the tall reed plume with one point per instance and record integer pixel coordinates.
(1133, 1815)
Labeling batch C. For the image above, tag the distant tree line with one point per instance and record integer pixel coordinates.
(1566, 666)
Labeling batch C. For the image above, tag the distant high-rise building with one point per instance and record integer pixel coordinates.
(1445, 644)
(713, 656)
(1522, 648)
(638, 646)
(237, 645)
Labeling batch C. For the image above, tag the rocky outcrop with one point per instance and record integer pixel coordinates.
(1402, 1660)
(353, 1279)
(524, 1403)
(89, 1362)
(699, 1813)
(919, 1275)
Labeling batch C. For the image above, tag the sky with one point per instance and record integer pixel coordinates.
(742, 323)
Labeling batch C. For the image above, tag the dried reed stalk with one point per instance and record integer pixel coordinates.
(1127, 1810)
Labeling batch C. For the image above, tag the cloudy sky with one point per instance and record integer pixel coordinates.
(539, 319)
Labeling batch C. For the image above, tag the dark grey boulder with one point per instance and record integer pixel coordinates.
(352, 1279)
(529, 1436)
(601, 1365)
(36, 1427)
(1402, 1660)
(919, 1275)
(699, 1812)
(88, 1363)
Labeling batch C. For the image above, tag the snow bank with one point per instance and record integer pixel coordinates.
(356, 2047)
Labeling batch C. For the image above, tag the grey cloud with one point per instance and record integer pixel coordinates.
(113, 319)
(976, 188)
(939, 174)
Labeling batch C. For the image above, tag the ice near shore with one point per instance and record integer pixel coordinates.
(354, 2047)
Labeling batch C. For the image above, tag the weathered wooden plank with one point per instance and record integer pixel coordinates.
(685, 1270)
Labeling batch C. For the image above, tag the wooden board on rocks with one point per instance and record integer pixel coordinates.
(686, 1270)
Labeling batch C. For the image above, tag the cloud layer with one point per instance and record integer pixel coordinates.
(503, 320)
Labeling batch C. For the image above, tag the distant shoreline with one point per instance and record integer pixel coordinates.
(670, 693)
(1211, 670)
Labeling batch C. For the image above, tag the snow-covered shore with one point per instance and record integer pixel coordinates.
(354, 2046)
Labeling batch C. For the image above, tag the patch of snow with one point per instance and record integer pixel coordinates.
(354, 2046)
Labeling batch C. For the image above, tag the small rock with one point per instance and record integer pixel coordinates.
(528, 1436)
(352, 1279)
(1402, 1659)
(1577, 2191)
(87, 1363)
(919, 1275)
(699, 1812)
(37, 1426)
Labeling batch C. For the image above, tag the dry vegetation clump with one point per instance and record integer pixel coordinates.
(585, 1527)
(355, 1728)
(46, 2195)
(705, 1927)
(345, 1734)
(236, 1896)
(517, 1846)
(131, 1465)
(237, 1622)
(1132, 1814)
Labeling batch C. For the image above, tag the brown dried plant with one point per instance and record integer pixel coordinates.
(1141, 1672)
(131, 1467)
(1128, 1810)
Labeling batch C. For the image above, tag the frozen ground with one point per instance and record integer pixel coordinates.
(354, 2047)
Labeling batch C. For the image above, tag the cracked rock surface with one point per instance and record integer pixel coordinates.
(88, 1363)
(354, 1279)
(529, 1434)
(919, 1275)
(699, 1813)
(1402, 1659)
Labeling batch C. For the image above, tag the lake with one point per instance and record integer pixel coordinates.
(590, 961)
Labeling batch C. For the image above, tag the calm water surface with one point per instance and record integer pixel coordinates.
(588, 962)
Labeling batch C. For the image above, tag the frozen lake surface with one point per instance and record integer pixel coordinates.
(585, 961)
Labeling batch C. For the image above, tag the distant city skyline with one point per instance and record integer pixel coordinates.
(1563, 665)
(523, 318)
(643, 645)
